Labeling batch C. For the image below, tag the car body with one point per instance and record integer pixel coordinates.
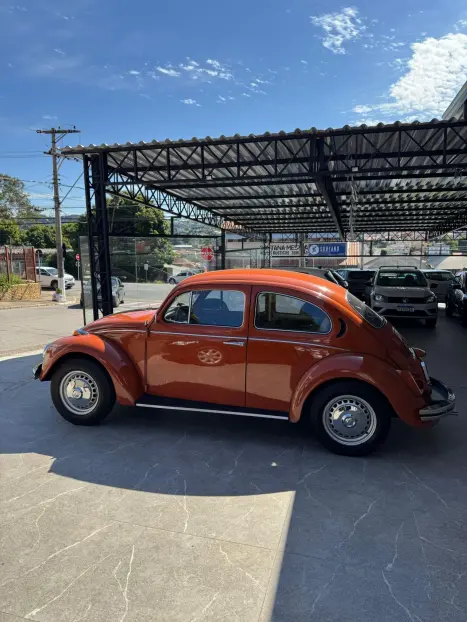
(456, 298)
(357, 280)
(439, 282)
(118, 293)
(263, 343)
(403, 292)
(48, 277)
(184, 274)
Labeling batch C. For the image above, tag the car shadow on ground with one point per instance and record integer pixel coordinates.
(337, 524)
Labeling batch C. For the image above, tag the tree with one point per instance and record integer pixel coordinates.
(129, 218)
(9, 232)
(14, 201)
(40, 236)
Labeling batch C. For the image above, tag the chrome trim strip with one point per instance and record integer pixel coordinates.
(209, 410)
(298, 343)
(163, 332)
(281, 330)
(117, 330)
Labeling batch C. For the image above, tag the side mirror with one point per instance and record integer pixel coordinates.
(456, 285)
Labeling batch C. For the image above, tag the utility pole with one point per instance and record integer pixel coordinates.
(57, 134)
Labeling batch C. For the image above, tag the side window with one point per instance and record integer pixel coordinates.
(179, 310)
(44, 272)
(217, 307)
(280, 312)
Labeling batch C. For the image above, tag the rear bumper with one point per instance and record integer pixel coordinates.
(442, 403)
(36, 371)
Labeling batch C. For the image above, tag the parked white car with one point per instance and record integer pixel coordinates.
(439, 281)
(176, 278)
(48, 277)
(403, 292)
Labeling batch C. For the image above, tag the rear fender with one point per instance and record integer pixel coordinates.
(125, 377)
(397, 386)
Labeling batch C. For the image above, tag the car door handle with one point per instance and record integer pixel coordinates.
(234, 343)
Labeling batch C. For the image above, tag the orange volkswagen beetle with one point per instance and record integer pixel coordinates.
(258, 343)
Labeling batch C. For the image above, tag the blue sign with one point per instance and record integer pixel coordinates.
(328, 249)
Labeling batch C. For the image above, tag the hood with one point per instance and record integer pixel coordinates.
(402, 292)
(129, 320)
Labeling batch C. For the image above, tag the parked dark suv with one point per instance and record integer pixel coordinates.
(357, 280)
(456, 298)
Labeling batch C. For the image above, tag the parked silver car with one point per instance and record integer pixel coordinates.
(403, 292)
(439, 281)
(176, 278)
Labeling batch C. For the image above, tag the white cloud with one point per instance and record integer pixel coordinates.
(168, 71)
(189, 102)
(59, 51)
(222, 99)
(49, 117)
(435, 72)
(362, 109)
(461, 24)
(133, 72)
(246, 95)
(339, 28)
(304, 62)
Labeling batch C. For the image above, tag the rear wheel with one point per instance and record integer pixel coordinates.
(171, 281)
(115, 301)
(82, 392)
(431, 323)
(464, 317)
(350, 418)
(54, 284)
(449, 308)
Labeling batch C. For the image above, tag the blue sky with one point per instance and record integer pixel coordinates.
(131, 71)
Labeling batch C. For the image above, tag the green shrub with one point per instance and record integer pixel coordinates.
(6, 284)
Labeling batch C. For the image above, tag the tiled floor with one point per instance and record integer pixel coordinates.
(163, 517)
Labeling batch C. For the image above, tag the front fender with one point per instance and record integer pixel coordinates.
(397, 386)
(125, 377)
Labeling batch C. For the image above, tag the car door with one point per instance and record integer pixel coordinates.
(289, 333)
(197, 347)
(45, 278)
(460, 294)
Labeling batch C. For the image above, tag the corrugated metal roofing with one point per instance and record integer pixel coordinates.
(406, 176)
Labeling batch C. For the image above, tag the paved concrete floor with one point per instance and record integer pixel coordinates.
(158, 517)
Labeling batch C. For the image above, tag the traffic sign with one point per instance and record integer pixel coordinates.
(207, 253)
(77, 257)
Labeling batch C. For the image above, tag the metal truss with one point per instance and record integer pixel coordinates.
(149, 196)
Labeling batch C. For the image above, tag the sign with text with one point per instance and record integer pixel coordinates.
(285, 249)
(328, 249)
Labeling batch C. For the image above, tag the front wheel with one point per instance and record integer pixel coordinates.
(449, 309)
(54, 284)
(171, 281)
(115, 301)
(350, 418)
(82, 392)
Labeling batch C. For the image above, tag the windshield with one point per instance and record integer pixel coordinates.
(360, 275)
(365, 312)
(52, 271)
(401, 278)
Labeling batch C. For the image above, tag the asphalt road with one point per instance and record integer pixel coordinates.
(143, 292)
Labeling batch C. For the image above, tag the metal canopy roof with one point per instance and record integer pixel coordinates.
(397, 177)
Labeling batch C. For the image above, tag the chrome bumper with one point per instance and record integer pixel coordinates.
(36, 371)
(443, 402)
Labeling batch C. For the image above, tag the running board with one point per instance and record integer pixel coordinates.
(164, 403)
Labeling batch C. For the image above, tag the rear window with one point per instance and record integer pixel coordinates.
(401, 278)
(365, 312)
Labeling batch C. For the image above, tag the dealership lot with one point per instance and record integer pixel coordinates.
(182, 517)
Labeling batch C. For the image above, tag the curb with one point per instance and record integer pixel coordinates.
(39, 304)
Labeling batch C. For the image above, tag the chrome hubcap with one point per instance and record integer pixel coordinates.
(349, 420)
(79, 392)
